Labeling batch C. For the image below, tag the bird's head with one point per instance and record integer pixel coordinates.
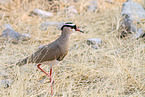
(69, 27)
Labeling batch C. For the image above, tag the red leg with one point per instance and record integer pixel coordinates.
(51, 80)
(43, 70)
(50, 74)
(38, 65)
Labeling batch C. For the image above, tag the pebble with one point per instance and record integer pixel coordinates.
(135, 10)
(13, 36)
(5, 83)
(138, 34)
(71, 11)
(132, 13)
(93, 6)
(44, 25)
(8, 26)
(94, 42)
(43, 13)
(109, 1)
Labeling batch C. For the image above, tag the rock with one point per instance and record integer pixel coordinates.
(93, 6)
(127, 26)
(133, 9)
(14, 36)
(94, 42)
(109, 1)
(129, 0)
(45, 25)
(25, 36)
(75, 0)
(5, 83)
(8, 26)
(42, 13)
(5, 1)
(71, 11)
(138, 34)
(132, 14)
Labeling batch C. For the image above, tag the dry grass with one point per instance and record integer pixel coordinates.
(116, 69)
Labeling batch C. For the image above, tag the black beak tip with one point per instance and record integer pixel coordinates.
(81, 31)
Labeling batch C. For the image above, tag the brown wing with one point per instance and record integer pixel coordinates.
(47, 53)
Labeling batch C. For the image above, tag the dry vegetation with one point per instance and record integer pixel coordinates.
(116, 69)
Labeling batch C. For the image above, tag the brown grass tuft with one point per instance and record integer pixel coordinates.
(116, 69)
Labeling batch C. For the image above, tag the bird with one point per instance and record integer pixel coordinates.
(54, 52)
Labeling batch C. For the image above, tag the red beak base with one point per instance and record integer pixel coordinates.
(79, 30)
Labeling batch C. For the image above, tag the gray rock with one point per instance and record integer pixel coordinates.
(5, 1)
(8, 26)
(42, 13)
(25, 36)
(14, 36)
(45, 25)
(71, 11)
(94, 42)
(109, 1)
(133, 9)
(93, 6)
(75, 0)
(11, 35)
(5, 83)
(129, 0)
(138, 34)
(127, 26)
(132, 14)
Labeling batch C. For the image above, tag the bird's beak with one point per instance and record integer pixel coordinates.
(79, 30)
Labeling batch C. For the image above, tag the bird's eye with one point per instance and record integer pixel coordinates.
(72, 27)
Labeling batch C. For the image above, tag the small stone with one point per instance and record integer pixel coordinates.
(42, 13)
(5, 1)
(8, 26)
(94, 42)
(109, 1)
(14, 37)
(93, 6)
(127, 26)
(25, 36)
(138, 34)
(129, 0)
(45, 25)
(5, 83)
(135, 10)
(133, 13)
(71, 11)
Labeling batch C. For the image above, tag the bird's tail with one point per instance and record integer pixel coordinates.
(23, 62)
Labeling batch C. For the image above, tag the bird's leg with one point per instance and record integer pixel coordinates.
(50, 74)
(38, 65)
(51, 80)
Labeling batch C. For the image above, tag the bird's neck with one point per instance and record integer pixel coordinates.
(64, 42)
(64, 38)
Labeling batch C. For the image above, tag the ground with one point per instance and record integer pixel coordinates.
(116, 69)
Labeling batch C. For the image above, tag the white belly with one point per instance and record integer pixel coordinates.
(51, 63)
